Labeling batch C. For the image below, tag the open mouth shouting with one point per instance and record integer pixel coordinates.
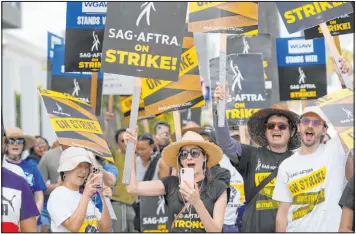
(309, 135)
(191, 164)
(276, 135)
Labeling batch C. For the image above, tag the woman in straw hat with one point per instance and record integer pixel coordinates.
(15, 144)
(191, 208)
(71, 211)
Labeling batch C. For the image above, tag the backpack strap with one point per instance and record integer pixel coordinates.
(256, 190)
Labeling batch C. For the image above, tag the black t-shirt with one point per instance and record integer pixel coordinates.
(348, 197)
(189, 220)
(220, 173)
(255, 165)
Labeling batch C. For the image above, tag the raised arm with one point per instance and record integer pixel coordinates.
(146, 188)
(230, 147)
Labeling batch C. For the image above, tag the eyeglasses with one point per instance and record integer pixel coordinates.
(315, 122)
(195, 153)
(18, 141)
(272, 125)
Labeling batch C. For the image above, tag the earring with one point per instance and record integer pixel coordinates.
(64, 176)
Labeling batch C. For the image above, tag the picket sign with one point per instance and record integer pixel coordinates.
(222, 79)
(177, 126)
(345, 80)
(130, 148)
(94, 85)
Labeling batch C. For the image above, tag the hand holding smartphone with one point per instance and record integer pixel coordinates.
(187, 174)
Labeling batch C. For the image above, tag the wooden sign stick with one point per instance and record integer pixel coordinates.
(222, 78)
(177, 126)
(345, 80)
(130, 148)
(93, 89)
(110, 103)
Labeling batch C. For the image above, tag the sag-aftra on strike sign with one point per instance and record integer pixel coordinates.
(144, 39)
(298, 16)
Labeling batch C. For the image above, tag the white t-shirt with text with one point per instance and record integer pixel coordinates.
(313, 183)
(63, 202)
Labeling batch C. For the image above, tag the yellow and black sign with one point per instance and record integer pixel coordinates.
(126, 104)
(298, 16)
(165, 96)
(339, 109)
(344, 24)
(144, 39)
(75, 123)
(224, 17)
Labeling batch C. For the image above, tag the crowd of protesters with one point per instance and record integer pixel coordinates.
(294, 176)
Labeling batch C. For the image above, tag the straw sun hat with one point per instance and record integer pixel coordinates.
(17, 133)
(170, 153)
(257, 129)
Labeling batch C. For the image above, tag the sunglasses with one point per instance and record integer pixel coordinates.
(195, 153)
(18, 141)
(272, 125)
(315, 122)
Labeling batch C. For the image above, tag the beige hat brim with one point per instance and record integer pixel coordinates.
(170, 153)
(73, 163)
(193, 129)
(29, 140)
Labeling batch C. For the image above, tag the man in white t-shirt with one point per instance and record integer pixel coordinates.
(310, 182)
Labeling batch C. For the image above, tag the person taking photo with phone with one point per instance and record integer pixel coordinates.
(196, 204)
(71, 211)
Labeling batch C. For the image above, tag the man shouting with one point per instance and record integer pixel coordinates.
(274, 129)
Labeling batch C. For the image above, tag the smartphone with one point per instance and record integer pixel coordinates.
(187, 174)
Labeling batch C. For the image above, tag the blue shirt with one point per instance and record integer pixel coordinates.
(96, 197)
(33, 176)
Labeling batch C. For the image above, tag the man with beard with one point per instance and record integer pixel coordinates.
(275, 130)
(310, 183)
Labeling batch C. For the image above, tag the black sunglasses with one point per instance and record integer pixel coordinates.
(272, 125)
(18, 141)
(195, 153)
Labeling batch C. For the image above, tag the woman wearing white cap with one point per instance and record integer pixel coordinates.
(71, 211)
(191, 208)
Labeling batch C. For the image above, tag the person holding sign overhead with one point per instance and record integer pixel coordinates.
(196, 202)
(275, 130)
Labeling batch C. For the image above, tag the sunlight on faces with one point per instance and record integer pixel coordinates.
(144, 149)
(190, 162)
(15, 149)
(78, 175)
(277, 137)
(310, 135)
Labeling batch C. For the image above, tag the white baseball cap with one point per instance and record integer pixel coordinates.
(71, 157)
(316, 110)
